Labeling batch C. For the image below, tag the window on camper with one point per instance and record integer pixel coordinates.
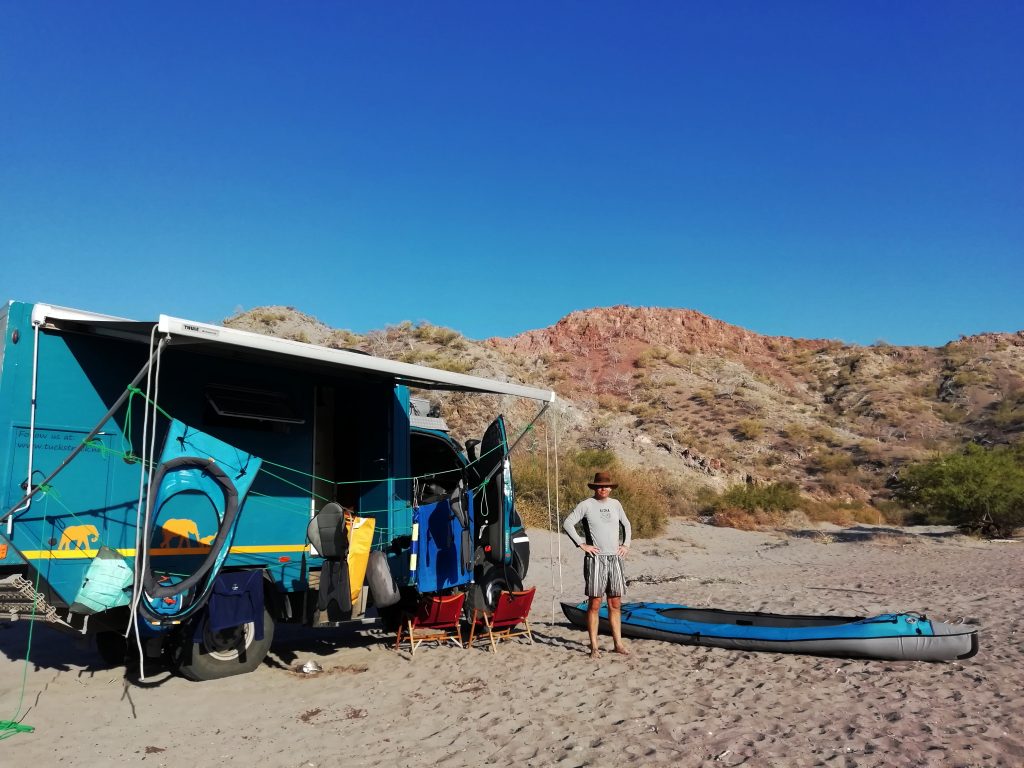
(241, 406)
(435, 462)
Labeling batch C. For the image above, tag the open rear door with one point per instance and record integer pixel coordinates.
(494, 499)
(500, 535)
(502, 546)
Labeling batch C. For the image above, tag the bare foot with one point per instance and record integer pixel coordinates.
(621, 649)
(595, 653)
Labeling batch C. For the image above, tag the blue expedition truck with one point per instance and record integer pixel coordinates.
(190, 486)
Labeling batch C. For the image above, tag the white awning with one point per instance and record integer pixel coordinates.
(215, 337)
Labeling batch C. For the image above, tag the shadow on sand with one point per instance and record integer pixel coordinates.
(868, 533)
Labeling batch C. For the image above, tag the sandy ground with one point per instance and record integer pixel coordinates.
(549, 704)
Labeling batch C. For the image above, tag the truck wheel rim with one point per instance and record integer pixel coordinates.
(227, 644)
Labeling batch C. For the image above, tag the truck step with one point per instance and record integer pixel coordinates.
(17, 598)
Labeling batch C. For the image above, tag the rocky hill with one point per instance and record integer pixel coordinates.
(717, 404)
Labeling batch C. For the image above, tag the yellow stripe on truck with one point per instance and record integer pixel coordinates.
(76, 554)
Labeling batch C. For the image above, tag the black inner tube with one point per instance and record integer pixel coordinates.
(149, 583)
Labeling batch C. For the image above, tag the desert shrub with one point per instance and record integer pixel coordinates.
(415, 356)
(969, 378)
(858, 512)
(343, 340)
(925, 389)
(1009, 414)
(594, 459)
(745, 520)
(827, 511)
(643, 410)
(437, 335)
(268, 317)
(977, 488)
(795, 432)
(832, 482)
(823, 434)
(750, 429)
(833, 461)
(703, 396)
(841, 512)
(649, 356)
(776, 497)
(734, 518)
(892, 512)
(682, 436)
(950, 413)
(608, 402)
(870, 450)
(435, 359)
(705, 499)
(453, 364)
(647, 496)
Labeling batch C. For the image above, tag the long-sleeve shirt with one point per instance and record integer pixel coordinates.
(601, 520)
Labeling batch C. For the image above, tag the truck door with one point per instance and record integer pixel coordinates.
(499, 534)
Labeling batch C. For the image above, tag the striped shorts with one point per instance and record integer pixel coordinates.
(603, 575)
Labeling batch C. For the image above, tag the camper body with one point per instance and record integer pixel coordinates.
(326, 431)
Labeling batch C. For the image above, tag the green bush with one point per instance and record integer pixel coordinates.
(648, 497)
(776, 497)
(977, 488)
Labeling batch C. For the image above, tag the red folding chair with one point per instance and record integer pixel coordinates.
(510, 610)
(436, 619)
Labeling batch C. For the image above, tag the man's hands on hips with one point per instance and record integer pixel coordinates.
(590, 549)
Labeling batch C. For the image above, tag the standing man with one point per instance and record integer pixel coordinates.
(602, 564)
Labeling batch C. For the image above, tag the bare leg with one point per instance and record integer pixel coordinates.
(615, 619)
(593, 606)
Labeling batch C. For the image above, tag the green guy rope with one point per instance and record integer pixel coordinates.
(13, 726)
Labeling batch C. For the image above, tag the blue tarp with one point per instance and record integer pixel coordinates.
(439, 559)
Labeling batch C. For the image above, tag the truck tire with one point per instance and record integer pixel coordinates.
(233, 651)
(491, 582)
(112, 648)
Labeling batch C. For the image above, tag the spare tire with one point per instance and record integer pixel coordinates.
(491, 581)
(382, 585)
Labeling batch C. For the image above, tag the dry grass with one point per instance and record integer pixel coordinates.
(648, 497)
(743, 520)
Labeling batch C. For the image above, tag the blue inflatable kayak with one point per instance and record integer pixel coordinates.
(908, 636)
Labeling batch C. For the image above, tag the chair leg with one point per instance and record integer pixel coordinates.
(529, 632)
(412, 641)
(490, 634)
(472, 629)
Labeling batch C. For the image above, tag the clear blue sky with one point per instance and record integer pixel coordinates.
(850, 170)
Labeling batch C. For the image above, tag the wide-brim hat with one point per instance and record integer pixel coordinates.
(602, 480)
